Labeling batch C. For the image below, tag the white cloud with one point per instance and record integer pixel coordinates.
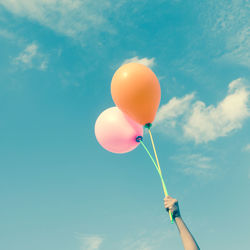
(173, 109)
(228, 23)
(30, 57)
(194, 164)
(90, 242)
(148, 240)
(203, 123)
(44, 64)
(146, 61)
(238, 48)
(247, 148)
(7, 34)
(28, 54)
(69, 17)
(139, 244)
(207, 123)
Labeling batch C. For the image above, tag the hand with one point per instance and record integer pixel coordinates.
(172, 205)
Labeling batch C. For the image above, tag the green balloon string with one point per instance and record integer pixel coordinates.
(159, 172)
(150, 156)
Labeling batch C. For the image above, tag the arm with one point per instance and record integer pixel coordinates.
(188, 240)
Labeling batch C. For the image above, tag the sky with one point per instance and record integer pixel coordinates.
(59, 188)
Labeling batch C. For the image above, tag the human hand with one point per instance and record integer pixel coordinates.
(172, 205)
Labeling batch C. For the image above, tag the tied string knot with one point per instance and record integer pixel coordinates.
(139, 138)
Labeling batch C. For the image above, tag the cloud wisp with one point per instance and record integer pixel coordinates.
(30, 57)
(90, 242)
(247, 148)
(194, 164)
(7, 34)
(71, 18)
(228, 22)
(193, 120)
(147, 240)
(149, 62)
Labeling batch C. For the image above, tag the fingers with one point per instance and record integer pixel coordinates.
(169, 199)
(169, 208)
(169, 203)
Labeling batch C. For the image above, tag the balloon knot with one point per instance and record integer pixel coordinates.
(139, 138)
(148, 125)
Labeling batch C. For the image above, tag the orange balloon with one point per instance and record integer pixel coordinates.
(135, 89)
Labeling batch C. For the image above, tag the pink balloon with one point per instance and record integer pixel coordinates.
(117, 132)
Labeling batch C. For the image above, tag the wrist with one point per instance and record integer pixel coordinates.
(176, 214)
(178, 221)
(177, 218)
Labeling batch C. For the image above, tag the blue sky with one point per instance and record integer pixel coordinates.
(59, 188)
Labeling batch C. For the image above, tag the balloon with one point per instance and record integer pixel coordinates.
(117, 132)
(135, 89)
